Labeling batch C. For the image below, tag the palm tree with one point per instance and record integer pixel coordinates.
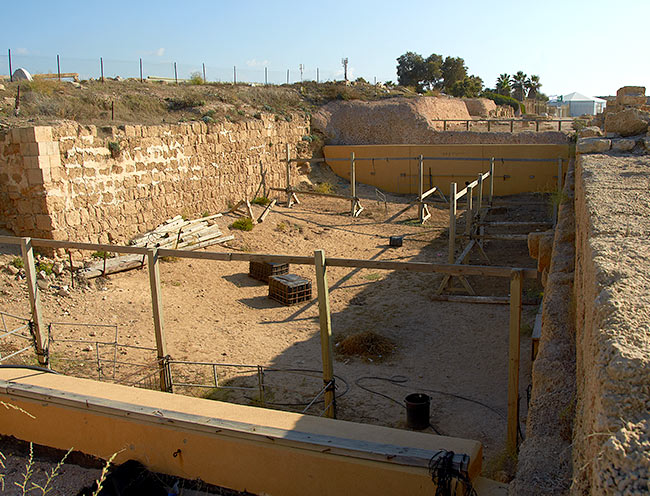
(503, 85)
(519, 85)
(533, 85)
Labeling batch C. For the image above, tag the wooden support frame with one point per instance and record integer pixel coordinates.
(158, 321)
(516, 276)
(325, 319)
(355, 205)
(37, 327)
(516, 280)
(267, 210)
(423, 209)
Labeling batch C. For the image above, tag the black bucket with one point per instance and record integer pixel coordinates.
(417, 411)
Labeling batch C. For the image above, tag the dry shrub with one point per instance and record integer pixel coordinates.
(365, 344)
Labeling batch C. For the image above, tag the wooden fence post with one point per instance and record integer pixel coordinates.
(353, 185)
(158, 321)
(480, 193)
(470, 210)
(325, 332)
(34, 299)
(512, 125)
(513, 360)
(491, 179)
(289, 202)
(452, 224)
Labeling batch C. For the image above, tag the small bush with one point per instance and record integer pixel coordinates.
(17, 262)
(45, 267)
(579, 124)
(261, 200)
(365, 344)
(196, 78)
(504, 100)
(243, 224)
(184, 103)
(324, 188)
(115, 148)
(100, 254)
(281, 227)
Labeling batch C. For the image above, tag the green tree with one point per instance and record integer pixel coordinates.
(469, 87)
(503, 85)
(453, 69)
(411, 70)
(518, 82)
(533, 85)
(415, 70)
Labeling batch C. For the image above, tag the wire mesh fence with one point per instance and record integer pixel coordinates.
(299, 390)
(104, 358)
(249, 72)
(16, 338)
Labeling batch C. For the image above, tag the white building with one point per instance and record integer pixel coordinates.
(576, 104)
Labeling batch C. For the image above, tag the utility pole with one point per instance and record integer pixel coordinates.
(301, 67)
(344, 61)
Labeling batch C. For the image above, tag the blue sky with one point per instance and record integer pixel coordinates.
(593, 47)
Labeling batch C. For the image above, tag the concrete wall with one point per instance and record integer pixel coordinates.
(64, 182)
(401, 176)
(240, 447)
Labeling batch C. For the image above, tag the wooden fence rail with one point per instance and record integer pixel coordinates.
(321, 264)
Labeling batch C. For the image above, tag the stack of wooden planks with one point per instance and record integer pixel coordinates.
(176, 233)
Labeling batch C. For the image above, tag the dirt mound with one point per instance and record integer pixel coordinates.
(398, 120)
(481, 107)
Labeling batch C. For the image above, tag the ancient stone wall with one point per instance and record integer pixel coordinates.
(611, 442)
(106, 184)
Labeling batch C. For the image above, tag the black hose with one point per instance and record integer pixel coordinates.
(29, 367)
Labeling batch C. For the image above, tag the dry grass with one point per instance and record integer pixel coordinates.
(45, 101)
(365, 344)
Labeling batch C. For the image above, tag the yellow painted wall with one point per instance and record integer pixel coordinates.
(401, 176)
(101, 419)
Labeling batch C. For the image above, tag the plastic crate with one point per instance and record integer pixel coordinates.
(289, 289)
(263, 270)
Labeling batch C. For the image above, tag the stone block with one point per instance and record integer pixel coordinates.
(37, 162)
(593, 145)
(43, 222)
(627, 122)
(40, 133)
(623, 145)
(631, 101)
(630, 91)
(35, 176)
(29, 149)
(590, 132)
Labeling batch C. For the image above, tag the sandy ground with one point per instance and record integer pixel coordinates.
(214, 312)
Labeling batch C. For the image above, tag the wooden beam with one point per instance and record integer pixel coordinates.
(500, 237)
(34, 300)
(513, 360)
(288, 188)
(491, 179)
(452, 223)
(353, 186)
(491, 300)
(267, 210)
(315, 193)
(327, 352)
(469, 213)
(153, 258)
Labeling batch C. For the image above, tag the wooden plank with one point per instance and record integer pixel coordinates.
(429, 192)
(34, 299)
(452, 223)
(249, 210)
(516, 224)
(267, 210)
(51, 243)
(490, 300)
(353, 185)
(315, 193)
(158, 321)
(500, 237)
(327, 352)
(234, 429)
(491, 180)
(469, 213)
(513, 360)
